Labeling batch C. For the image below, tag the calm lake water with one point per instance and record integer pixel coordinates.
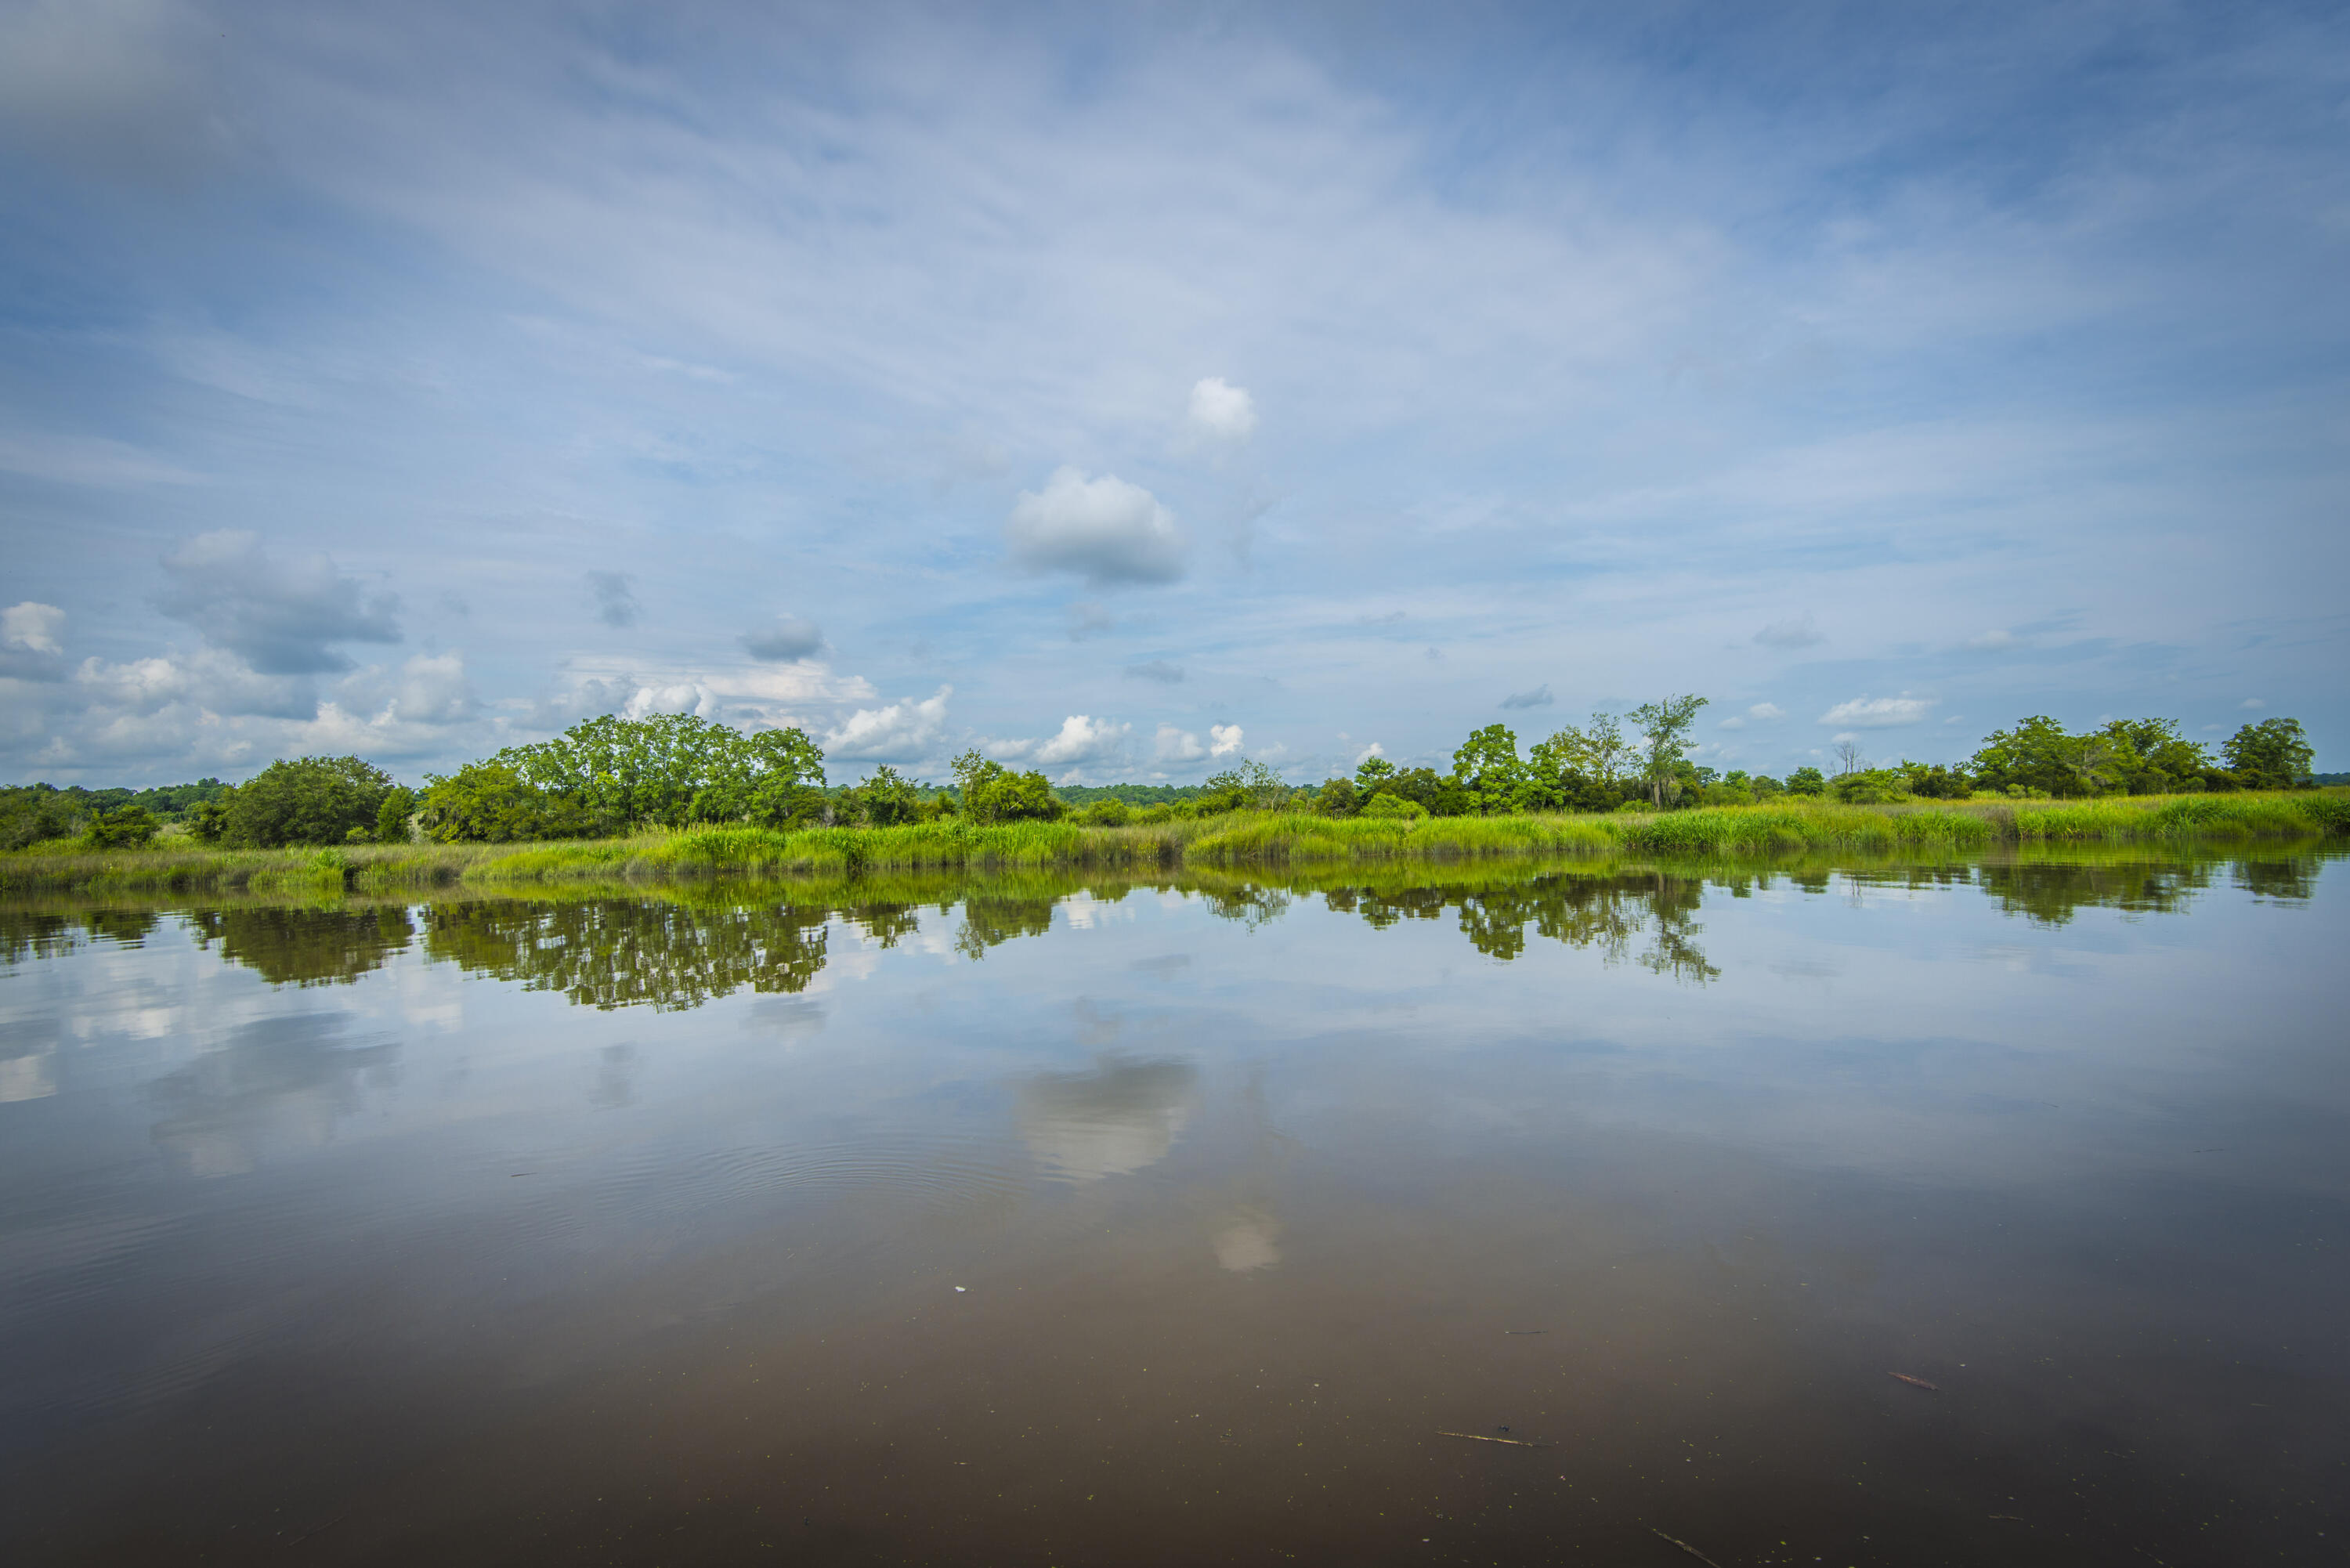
(1074, 1222)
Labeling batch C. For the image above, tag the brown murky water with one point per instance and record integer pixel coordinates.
(1041, 1222)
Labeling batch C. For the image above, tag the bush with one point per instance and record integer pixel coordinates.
(1387, 805)
(36, 812)
(1872, 787)
(1807, 781)
(306, 800)
(392, 816)
(1109, 811)
(124, 828)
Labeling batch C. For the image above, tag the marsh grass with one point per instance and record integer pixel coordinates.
(1239, 839)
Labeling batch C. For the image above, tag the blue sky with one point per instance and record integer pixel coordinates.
(1126, 391)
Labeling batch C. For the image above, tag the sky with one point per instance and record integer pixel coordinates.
(1128, 391)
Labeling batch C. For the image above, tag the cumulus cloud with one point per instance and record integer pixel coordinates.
(2252, 703)
(211, 681)
(789, 639)
(1103, 530)
(1878, 713)
(901, 733)
(1220, 411)
(1733, 722)
(1174, 745)
(1798, 633)
(1157, 670)
(31, 643)
(1766, 710)
(278, 617)
(1223, 740)
(1539, 697)
(1367, 752)
(616, 601)
(1082, 739)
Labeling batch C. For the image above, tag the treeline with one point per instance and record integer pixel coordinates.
(610, 776)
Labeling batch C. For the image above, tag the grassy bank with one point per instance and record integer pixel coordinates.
(1240, 839)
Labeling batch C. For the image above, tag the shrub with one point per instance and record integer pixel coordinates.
(490, 803)
(1387, 805)
(305, 800)
(124, 828)
(1108, 812)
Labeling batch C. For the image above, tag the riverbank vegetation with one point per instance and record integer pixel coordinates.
(680, 792)
(1247, 837)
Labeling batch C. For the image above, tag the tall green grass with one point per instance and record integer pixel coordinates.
(1241, 838)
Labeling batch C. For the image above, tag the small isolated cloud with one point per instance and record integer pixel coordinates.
(2252, 703)
(1103, 530)
(1539, 697)
(1224, 740)
(1733, 722)
(1878, 713)
(1990, 641)
(1157, 670)
(616, 601)
(901, 733)
(32, 643)
(789, 639)
(1222, 412)
(278, 617)
(1766, 711)
(1801, 632)
(1174, 745)
(1082, 739)
(1087, 619)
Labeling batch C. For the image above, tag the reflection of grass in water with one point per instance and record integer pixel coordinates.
(1257, 839)
(678, 943)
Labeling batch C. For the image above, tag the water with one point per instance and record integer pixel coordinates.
(1046, 1221)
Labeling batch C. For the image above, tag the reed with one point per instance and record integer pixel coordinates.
(1240, 839)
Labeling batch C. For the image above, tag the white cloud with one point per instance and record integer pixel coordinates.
(35, 627)
(1174, 745)
(1225, 739)
(2252, 703)
(1733, 724)
(1801, 632)
(210, 680)
(902, 731)
(1105, 530)
(1222, 412)
(1367, 752)
(1082, 740)
(1766, 710)
(433, 690)
(31, 643)
(1879, 713)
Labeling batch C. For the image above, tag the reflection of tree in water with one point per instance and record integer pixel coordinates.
(618, 953)
(278, 1086)
(305, 947)
(2048, 894)
(990, 922)
(31, 933)
(1612, 914)
(1251, 907)
(2287, 878)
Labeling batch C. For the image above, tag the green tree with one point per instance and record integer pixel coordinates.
(2151, 757)
(1488, 765)
(392, 816)
(305, 800)
(1807, 782)
(491, 803)
(124, 828)
(1338, 797)
(2274, 753)
(1372, 771)
(888, 799)
(1665, 739)
(993, 792)
(2036, 754)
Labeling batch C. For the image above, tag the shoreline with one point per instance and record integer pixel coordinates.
(1234, 841)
